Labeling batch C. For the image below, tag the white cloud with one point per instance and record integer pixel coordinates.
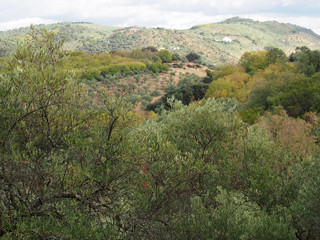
(150, 13)
(95, 8)
(23, 23)
(286, 2)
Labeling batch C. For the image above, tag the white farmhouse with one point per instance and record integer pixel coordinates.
(227, 39)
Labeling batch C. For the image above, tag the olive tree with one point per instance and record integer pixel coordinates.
(57, 153)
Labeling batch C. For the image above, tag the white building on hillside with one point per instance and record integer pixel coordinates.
(227, 39)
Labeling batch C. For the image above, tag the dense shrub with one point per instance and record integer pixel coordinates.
(157, 67)
(165, 56)
(193, 57)
(124, 68)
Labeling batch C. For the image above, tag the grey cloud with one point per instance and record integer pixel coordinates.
(168, 13)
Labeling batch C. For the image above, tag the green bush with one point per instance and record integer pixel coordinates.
(133, 98)
(155, 93)
(193, 57)
(147, 98)
(158, 67)
(123, 68)
(165, 56)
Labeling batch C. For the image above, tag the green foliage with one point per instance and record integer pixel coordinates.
(190, 88)
(187, 124)
(251, 115)
(306, 60)
(150, 48)
(226, 69)
(155, 93)
(269, 85)
(230, 105)
(281, 84)
(34, 91)
(137, 54)
(276, 55)
(132, 98)
(233, 217)
(147, 98)
(157, 67)
(193, 57)
(92, 66)
(236, 85)
(210, 74)
(123, 68)
(91, 74)
(40, 108)
(250, 168)
(49, 173)
(223, 71)
(305, 209)
(176, 57)
(301, 95)
(254, 61)
(165, 56)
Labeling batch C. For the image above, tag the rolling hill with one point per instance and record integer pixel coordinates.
(219, 42)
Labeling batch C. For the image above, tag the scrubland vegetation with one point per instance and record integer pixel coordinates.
(234, 155)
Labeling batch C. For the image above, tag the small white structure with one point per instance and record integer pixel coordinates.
(227, 39)
(174, 48)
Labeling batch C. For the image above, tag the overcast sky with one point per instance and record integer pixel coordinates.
(179, 14)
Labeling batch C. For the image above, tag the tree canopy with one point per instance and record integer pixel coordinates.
(306, 60)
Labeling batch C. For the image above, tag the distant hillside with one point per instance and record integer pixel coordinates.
(216, 43)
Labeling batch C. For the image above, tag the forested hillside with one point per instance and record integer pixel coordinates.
(231, 154)
(216, 43)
